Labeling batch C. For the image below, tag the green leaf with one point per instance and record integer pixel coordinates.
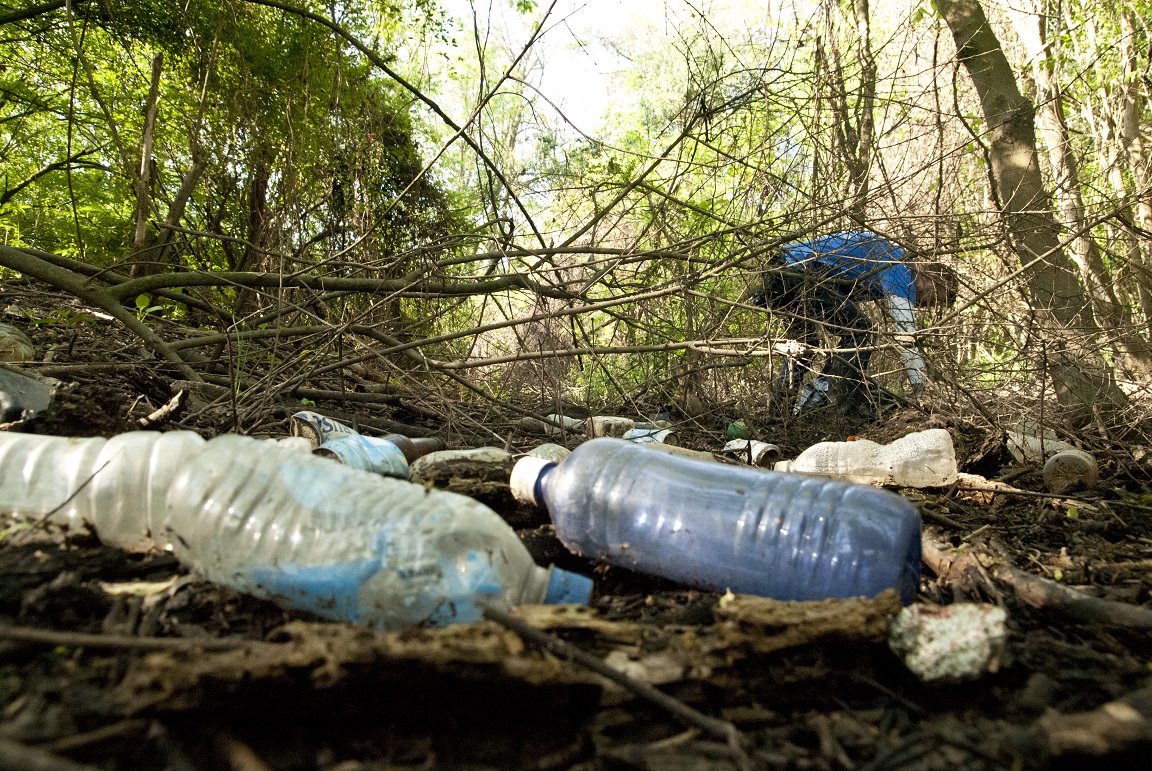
(142, 302)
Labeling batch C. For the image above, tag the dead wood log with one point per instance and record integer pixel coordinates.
(1117, 726)
(974, 566)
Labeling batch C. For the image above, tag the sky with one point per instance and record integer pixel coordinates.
(579, 58)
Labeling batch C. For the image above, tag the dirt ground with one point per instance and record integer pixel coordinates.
(124, 661)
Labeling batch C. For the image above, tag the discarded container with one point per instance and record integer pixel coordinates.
(298, 529)
(550, 452)
(22, 397)
(366, 453)
(922, 459)
(1070, 468)
(717, 526)
(549, 427)
(390, 455)
(15, 346)
(949, 643)
(752, 451)
(737, 430)
(607, 425)
(652, 424)
(652, 435)
(317, 428)
(1028, 448)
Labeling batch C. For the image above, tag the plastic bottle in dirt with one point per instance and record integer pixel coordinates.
(295, 528)
(921, 459)
(390, 455)
(720, 526)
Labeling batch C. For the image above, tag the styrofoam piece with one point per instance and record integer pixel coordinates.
(949, 643)
(550, 452)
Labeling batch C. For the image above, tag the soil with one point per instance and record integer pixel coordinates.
(140, 665)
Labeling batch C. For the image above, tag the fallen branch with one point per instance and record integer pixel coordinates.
(123, 642)
(721, 729)
(62, 278)
(966, 564)
(16, 755)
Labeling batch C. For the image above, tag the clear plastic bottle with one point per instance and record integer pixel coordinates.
(85, 480)
(718, 526)
(301, 530)
(921, 459)
(388, 455)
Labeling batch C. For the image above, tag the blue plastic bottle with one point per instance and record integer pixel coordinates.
(774, 534)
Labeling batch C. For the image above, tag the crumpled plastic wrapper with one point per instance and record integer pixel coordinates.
(949, 643)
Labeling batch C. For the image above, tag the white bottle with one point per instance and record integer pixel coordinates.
(922, 459)
(303, 531)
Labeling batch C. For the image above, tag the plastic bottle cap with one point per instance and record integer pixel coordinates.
(524, 475)
(567, 588)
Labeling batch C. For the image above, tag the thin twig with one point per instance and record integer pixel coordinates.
(720, 729)
(124, 642)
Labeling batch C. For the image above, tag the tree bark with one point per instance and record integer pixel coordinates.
(141, 238)
(1131, 350)
(1080, 376)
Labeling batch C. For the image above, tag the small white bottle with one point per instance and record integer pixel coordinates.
(921, 459)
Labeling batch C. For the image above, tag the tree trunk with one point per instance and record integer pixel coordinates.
(142, 237)
(1081, 378)
(1131, 351)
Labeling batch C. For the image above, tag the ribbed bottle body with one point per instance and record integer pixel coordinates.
(788, 536)
(367, 453)
(117, 485)
(310, 533)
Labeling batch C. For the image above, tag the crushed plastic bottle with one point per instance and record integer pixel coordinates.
(752, 451)
(608, 425)
(651, 436)
(390, 455)
(554, 426)
(717, 526)
(921, 459)
(317, 428)
(298, 529)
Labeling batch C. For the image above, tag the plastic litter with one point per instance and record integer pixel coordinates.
(737, 430)
(652, 435)
(754, 452)
(921, 459)
(550, 452)
(1070, 468)
(15, 346)
(570, 425)
(607, 425)
(388, 455)
(949, 643)
(298, 529)
(22, 397)
(318, 429)
(718, 526)
(1028, 448)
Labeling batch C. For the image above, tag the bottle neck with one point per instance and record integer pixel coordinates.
(415, 448)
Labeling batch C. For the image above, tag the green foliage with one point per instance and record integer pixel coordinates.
(308, 149)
